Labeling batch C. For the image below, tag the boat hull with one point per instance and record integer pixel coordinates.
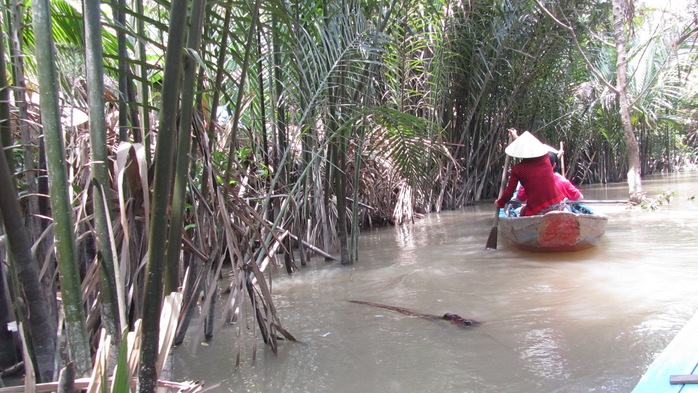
(557, 231)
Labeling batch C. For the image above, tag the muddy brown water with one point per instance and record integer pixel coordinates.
(588, 321)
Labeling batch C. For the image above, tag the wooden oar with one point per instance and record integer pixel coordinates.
(492, 240)
(562, 158)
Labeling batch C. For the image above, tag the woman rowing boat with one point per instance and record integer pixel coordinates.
(535, 173)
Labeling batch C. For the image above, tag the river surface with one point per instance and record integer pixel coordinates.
(588, 321)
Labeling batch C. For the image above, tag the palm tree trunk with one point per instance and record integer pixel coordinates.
(145, 86)
(41, 326)
(5, 131)
(8, 353)
(634, 179)
(182, 172)
(35, 207)
(162, 192)
(60, 203)
(8, 343)
(120, 18)
(244, 70)
(262, 101)
(220, 69)
(280, 135)
(341, 179)
(340, 182)
(112, 299)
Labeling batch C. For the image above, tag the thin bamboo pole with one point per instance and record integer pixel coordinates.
(66, 252)
(184, 143)
(162, 195)
(112, 299)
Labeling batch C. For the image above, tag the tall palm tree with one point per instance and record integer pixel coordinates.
(622, 15)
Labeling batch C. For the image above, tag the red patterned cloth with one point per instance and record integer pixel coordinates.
(537, 176)
(565, 186)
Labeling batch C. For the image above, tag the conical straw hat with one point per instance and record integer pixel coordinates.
(552, 149)
(526, 146)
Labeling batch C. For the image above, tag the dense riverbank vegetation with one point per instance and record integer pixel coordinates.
(139, 158)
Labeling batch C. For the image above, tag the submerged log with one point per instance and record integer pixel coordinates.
(453, 318)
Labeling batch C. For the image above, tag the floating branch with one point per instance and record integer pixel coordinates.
(453, 318)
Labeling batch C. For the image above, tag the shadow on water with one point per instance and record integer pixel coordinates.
(587, 321)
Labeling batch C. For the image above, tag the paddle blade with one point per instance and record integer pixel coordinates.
(492, 240)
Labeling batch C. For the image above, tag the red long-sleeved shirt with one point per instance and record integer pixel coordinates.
(565, 186)
(537, 176)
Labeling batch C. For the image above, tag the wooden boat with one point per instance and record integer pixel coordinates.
(676, 368)
(556, 231)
